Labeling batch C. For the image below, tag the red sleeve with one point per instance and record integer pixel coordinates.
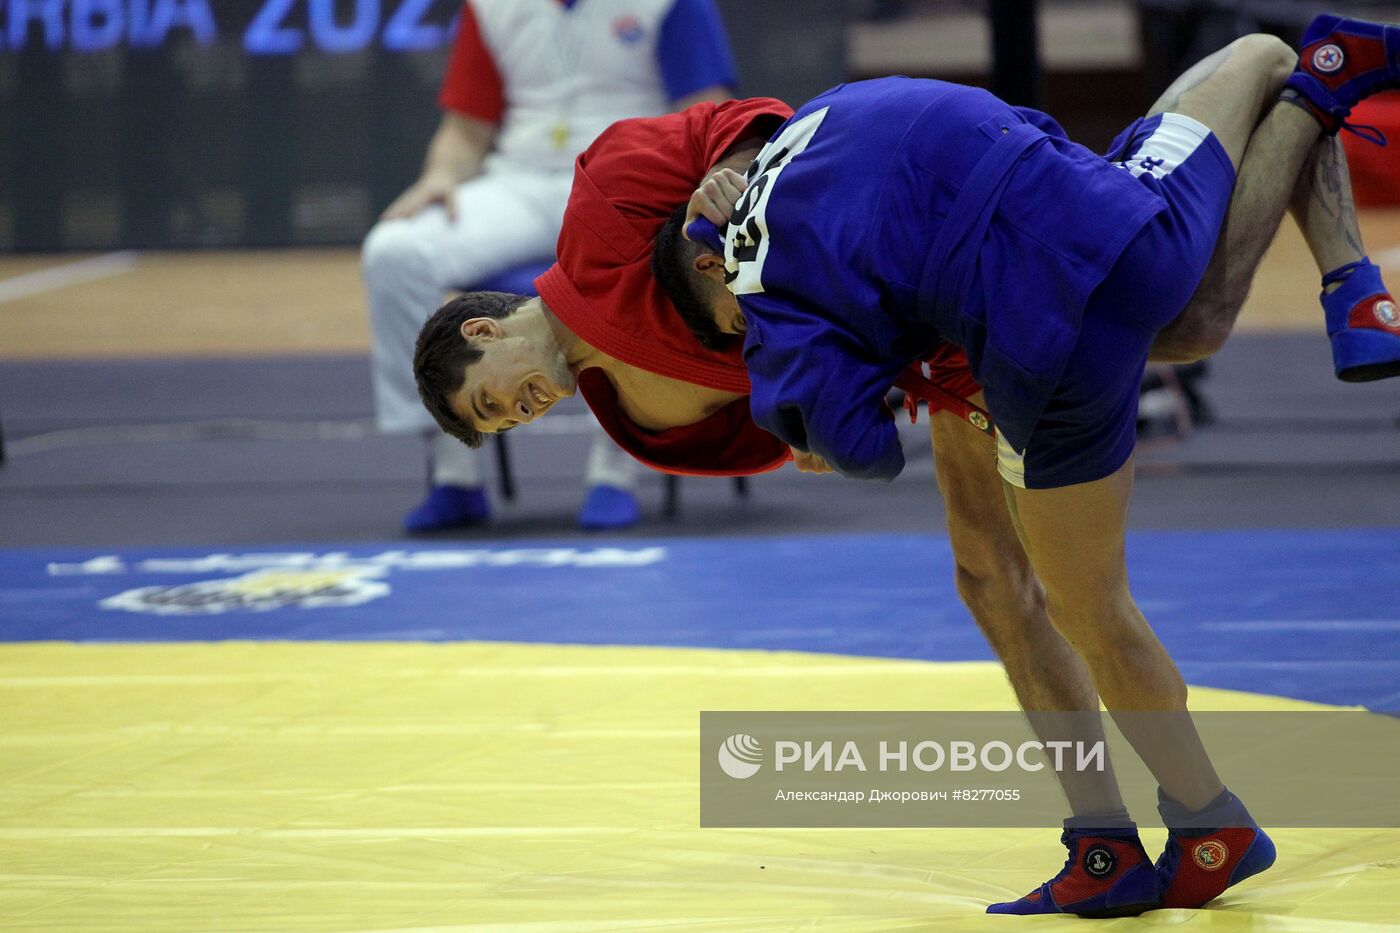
(472, 85)
(950, 371)
(625, 186)
(948, 387)
(648, 167)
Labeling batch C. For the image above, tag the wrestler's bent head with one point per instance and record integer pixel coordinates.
(692, 275)
(483, 368)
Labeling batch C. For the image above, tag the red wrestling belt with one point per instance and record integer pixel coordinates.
(917, 386)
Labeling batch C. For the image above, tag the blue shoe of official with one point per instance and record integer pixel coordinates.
(608, 507)
(1199, 864)
(1107, 874)
(1363, 322)
(449, 507)
(1344, 61)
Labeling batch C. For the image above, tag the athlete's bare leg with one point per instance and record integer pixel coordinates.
(1323, 207)
(1074, 537)
(1229, 92)
(996, 583)
(1287, 143)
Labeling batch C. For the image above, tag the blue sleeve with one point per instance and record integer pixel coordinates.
(693, 51)
(814, 390)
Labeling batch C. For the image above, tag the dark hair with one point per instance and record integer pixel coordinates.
(671, 258)
(441, 358)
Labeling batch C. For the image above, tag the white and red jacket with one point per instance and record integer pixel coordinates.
(555, 73)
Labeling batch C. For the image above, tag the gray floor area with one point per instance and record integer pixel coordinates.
(213, 452)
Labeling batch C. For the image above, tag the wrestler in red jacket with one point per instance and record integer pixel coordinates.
(626, 185)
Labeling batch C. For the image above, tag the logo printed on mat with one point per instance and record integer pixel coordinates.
(259, 591)
(261, 581)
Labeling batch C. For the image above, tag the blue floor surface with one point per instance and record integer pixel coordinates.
(1308, 614)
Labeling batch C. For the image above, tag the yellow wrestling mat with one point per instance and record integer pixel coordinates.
(401, 786)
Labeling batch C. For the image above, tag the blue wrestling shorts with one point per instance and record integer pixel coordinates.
(1088, 428)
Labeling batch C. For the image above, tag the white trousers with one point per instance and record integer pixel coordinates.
(506, 217)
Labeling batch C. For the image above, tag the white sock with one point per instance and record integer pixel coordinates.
(608, 465)
(454, 463)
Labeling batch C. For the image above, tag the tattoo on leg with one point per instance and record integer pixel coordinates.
(1331, 190)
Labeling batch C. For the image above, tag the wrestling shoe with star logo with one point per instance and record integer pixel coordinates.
(1107, 874)
(1344, 61)
(1363, 323)
(1209, 850)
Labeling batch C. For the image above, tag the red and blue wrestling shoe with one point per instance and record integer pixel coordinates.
(1107, 874)
(1209, 850)
(1363, 323)
(1344, 61)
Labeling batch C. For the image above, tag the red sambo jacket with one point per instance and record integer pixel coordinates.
(625, 187)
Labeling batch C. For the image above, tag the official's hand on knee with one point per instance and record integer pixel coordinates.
(431, 189)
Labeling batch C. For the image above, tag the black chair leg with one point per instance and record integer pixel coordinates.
(741, 487)
(672, 509)
(503, 467)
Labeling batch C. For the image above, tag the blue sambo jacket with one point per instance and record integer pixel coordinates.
(888, 215)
